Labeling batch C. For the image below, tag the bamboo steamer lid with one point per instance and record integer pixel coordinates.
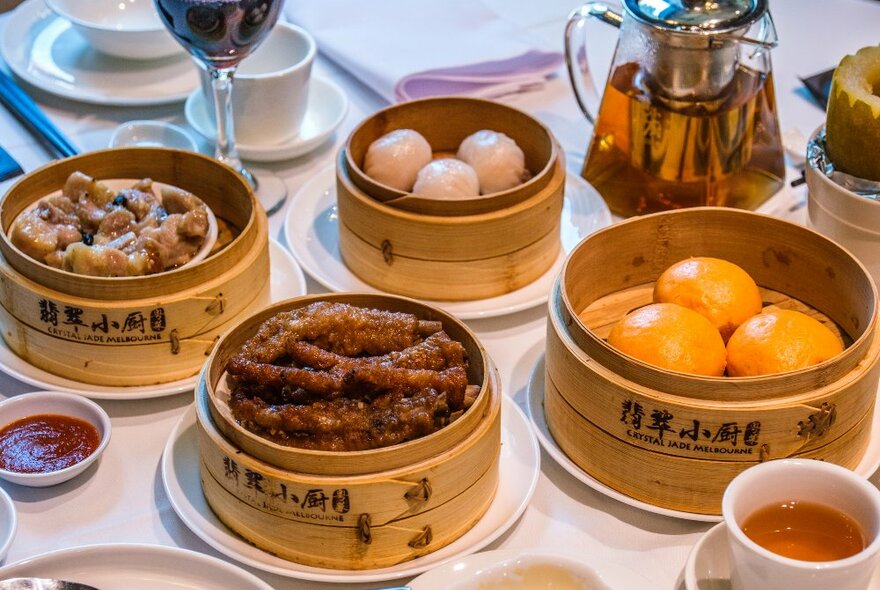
(158, 327)
(688, 434)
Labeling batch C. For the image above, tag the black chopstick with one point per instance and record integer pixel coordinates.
(31, 117)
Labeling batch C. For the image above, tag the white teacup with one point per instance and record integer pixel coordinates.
(271, 88)
(755, 568)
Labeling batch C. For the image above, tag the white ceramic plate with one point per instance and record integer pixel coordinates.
(535, 407)
(44, 50)
(136, 567)
(708, 565)
(312, 232)
(479, 569)
(326, 109)
(286, 280)
(8, 523)
(519, 469)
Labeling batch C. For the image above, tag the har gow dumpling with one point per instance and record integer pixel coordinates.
(395, 158)
(500, 163)
(447, 178)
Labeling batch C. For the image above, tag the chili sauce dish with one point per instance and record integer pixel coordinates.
(48, 437)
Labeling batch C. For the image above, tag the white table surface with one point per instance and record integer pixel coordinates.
(122, 500)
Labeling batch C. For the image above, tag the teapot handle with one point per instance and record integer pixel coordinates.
(576, 57)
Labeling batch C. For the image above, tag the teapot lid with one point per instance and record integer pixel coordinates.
(698, 16)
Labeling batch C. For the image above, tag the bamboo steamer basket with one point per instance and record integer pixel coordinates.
(452, 250)
(676, 440)
(133, 330)
(351, 510)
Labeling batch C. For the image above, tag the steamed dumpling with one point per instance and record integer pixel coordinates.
(447, 178)
(395, 158)
(499, 162)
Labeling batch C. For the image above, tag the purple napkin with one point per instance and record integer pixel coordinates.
(408, 49)
(489, 79)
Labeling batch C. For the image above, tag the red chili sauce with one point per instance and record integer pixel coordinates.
(45, 443)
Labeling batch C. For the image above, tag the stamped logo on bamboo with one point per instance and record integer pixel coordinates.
(70, 322)
(658, 427)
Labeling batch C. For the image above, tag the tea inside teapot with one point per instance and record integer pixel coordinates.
(688, 115)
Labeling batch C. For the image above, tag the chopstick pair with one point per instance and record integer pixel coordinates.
(32, 118)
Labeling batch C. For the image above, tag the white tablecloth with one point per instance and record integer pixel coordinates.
(122, 500)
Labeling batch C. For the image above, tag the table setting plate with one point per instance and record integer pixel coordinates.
(535, 409)
(327, 107)
(708, 565)
(519, 470)
(286, 280)
(126, 566)
(311, 229)
(44, 50)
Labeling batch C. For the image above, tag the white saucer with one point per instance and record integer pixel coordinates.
(286, 280)
(123, 566)
(44, 50)
(8, 523)
(312, 232)
(481, 569)
(535, 408)
(708, 565)
(520, 466)
(327, 108)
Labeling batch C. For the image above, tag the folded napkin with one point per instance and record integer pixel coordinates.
(408, 49)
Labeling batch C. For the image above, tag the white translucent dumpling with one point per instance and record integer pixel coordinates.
(499, 162)
(447, 178)
(395, 158)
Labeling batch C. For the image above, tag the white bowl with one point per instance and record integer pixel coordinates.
(849, 219)
(129, 29)
(54, 402)
(152, 134)
(8, 523)
(532, 570)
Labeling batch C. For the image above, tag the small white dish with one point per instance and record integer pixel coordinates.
(708, 565)
(311, 229)
(54, 402)
(535, 408)
(8, 523)
(327, 107)
(152, 134)
(124, 566)
(210, 239)
(519, 468)
(45, 51)
(286, 281)
(130, 29)
(531, 569)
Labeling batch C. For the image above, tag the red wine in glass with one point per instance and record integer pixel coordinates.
(220, 33)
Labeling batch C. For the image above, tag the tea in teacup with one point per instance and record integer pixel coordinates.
(801, 524)
(808, 531)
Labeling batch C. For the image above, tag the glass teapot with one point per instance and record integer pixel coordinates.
(688, 114)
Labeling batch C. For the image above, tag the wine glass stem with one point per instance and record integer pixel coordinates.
(221, 85)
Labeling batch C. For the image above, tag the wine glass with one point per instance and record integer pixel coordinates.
(219, 34)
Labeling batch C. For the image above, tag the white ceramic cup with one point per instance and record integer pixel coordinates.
(756, 568)
(849, 219)
(271, 87)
